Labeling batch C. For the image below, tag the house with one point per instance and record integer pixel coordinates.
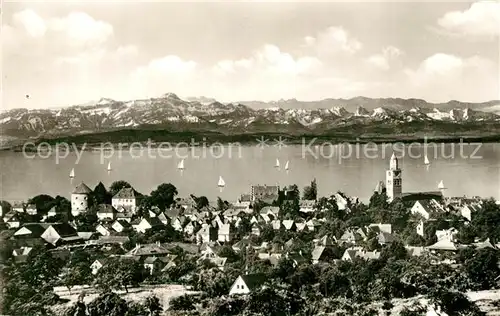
(206, 234)
(21, 254)
(289, 225)
(30, 209)
(255, 229)
(445, 245)
(145, 250)
(264, 193)
(350, 236)
(124, 215)
(120, 225)
(233, 214)
(79, 199)
(468, 210)
(354, 252)
(17, 207)
(54, 211)
(106, 211)
(271, 211)
(12, 219)
(385, 238)
(276, 224)
(30, 231)
(128, 198)
(386, 228)
(322, 252)
(178, 223)
(191, 228)
(426, 208)
(147, 223)
(154, 264)
(154, 211)
(307, 206)
(60, 233)
(448, 234)
(313, 224)
(226, 233)
(342, 201)
(96, 265)
(105, 229)
(163, 218)
(326, 241)
(484, 244)
(247, 283)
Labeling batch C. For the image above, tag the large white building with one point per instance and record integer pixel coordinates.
(393, 179)
(126, 198)
(80, 199)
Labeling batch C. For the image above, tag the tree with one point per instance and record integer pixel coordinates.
(311, 192)
(116, 186)
(109, 304)
(43, 203)
(482, 268)
(77, 275)
(222, 205)
(153, 305)
(118, 274)
(101, 195)
(182, 303)
(164, 196)
(201, 201)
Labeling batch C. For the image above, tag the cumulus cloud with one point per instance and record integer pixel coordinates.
(333, 39)
(455, 77)
(81, 29)
(384, 59)
(481, 19)
(32, 23)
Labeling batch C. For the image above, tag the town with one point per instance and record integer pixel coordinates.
(271, 251)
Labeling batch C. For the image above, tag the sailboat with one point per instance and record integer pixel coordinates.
(72, 173)
(441, 185)
(426, 160)
(109, 166)
(286, 166)
(221, 184)
(180, 166)
(277, 165)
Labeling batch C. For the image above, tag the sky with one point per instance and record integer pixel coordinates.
(66, 53)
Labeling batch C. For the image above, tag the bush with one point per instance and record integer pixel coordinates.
(182, 303)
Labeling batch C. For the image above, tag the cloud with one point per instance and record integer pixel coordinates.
(32, 23)
(80, 29)
(384, 59)
(455, 77)
(333, 39)
(481, 19)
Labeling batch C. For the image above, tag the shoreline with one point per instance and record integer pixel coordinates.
(200, 141)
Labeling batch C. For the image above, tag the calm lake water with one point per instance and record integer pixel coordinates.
(464, 172)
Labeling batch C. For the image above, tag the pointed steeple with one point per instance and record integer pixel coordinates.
(394, 165)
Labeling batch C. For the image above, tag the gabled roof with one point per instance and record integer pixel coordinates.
(154, 221)
(36, 229)
(64, 229)
(422, 196)
(127, 193)
(147, 250)
(105, 209)
(82, 188)
(253, 281)
(288, 224)
(317, 252)
(445, 244)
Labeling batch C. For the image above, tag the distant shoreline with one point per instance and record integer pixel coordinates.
(201, 140)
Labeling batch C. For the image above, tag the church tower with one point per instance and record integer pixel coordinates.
(393, 180)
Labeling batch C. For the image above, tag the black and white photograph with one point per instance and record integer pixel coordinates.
(250, 158)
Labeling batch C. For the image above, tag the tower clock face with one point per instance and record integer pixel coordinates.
(397, 173)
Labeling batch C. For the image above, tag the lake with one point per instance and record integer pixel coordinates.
(465, 169)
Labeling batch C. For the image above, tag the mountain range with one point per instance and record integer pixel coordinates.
(169, 112)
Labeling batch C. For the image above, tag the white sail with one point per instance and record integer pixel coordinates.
(72, 173)
(277, 165)
(441, 185)
(286, 166)
(181, 165)
(221, 182)
(109, 166)
(426, 160)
